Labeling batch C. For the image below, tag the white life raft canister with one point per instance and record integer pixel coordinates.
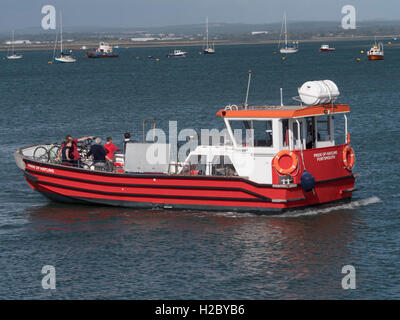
(314, 93)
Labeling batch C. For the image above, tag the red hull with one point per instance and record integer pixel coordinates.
(326, 50)
(375, 57)
(194, 192)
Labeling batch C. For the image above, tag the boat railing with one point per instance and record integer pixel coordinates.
(188, 168)
(242, 107)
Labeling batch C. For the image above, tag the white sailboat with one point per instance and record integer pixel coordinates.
(207, 48)
(13, 55)
(65, 57)
(287, 47)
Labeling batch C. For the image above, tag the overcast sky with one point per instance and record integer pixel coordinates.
(16, 14)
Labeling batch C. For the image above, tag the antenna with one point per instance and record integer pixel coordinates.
(281, 97)
(248, 88)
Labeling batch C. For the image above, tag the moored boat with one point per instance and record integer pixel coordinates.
(326, 48)
(177, 54)
(208, 48)
(286, 46)
(104, 50)
(65, 56)
(13, 55)
(290, 158)
(376, 52)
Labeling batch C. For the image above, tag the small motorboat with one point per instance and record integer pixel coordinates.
(326, 48)
(103, 51)
(177, 54)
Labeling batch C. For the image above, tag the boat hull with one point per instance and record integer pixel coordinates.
(63, 60)
(213, 193)
(375, 57)
(288, 50)
(14, 57)
(91, 54)
(210, 51)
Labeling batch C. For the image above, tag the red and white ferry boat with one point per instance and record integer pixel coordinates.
(290, 160)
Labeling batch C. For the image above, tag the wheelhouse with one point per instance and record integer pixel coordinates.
(256, 134)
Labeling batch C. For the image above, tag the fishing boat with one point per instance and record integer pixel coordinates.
(13, 55)
(284, 46)
(376, 52)
(65, 56)
(177, 54)
(104, 50)
(208, 49)
(326, 48)
(290, 159)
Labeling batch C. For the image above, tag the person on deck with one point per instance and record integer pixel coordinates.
(99, 154)
(74, 148)
(66, 154)
(110, 148)
(127, 137)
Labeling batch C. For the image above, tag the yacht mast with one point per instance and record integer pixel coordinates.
(12, 42)
(207, 32)
(284, 18)
(61, 30)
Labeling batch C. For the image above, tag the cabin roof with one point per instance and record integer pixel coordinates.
(282, 111)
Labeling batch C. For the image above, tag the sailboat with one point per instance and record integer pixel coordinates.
(287, 48)
(65, 57)
(13, 56)
(207, 48)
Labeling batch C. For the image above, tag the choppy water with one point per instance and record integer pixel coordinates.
(102, 252)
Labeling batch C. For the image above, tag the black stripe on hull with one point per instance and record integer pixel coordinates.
(164, 176)
(156, 206)
(30, 174)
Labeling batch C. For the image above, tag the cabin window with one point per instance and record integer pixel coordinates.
(222, 166)
(323, 128)
(285, 132)
(310, 136)
(241, 131)
(195, 165)
(296, 141)
(262, 133)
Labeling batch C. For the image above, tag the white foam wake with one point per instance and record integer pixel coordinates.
(347, 206)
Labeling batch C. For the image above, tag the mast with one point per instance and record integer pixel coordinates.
(284, 18)
(12, 42)
(61, 39)
(207, 32)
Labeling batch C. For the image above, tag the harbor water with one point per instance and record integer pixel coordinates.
(119, 253)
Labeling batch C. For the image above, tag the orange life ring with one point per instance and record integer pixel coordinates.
(292, 155)
(348, 152)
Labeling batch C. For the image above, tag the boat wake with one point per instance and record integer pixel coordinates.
(305, 212)
(348, 206)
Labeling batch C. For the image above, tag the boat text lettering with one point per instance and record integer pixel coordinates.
(329, 155)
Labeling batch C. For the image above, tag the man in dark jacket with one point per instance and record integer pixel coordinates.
(99, 152)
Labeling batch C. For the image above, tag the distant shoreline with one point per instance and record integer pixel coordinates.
(149, 44)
